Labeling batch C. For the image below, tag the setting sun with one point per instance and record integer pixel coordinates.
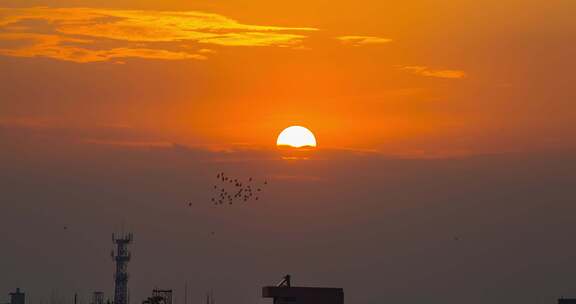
(296, 137)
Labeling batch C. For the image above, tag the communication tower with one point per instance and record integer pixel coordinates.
(121, 256)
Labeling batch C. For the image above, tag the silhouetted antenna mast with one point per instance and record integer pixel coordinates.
(185, 292)
(122, 256)
(285, 281)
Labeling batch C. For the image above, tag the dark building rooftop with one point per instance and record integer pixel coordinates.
(287, 294)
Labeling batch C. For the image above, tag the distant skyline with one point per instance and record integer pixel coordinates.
(443, 171)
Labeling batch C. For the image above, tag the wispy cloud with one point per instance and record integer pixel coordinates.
(362, 40)
(92, 35)
(129, 144)
(77, 50)
(428, 72)
(297, 178)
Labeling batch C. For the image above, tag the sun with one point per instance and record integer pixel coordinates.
(296, 137)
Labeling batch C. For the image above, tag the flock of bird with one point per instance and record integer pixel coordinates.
(230, 190)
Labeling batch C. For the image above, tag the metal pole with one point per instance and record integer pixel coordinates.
(185, 292)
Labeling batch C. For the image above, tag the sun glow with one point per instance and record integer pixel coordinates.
(296, 137)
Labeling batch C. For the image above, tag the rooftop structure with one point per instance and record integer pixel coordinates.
(159, 296)
(285, 293)
(17, 297)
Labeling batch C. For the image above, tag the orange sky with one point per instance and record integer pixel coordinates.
(412, 77)
(120, 111)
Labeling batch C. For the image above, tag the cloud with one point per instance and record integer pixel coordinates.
(129, 144)
(58, 47)
(362, 40)
(425, 71)
(297, 178)
(95, 35)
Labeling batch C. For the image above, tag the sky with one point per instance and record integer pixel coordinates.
(444, 167)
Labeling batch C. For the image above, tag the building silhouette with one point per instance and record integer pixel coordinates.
(285, 293)
(159, 296)
(97, 298)
(17, 297)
